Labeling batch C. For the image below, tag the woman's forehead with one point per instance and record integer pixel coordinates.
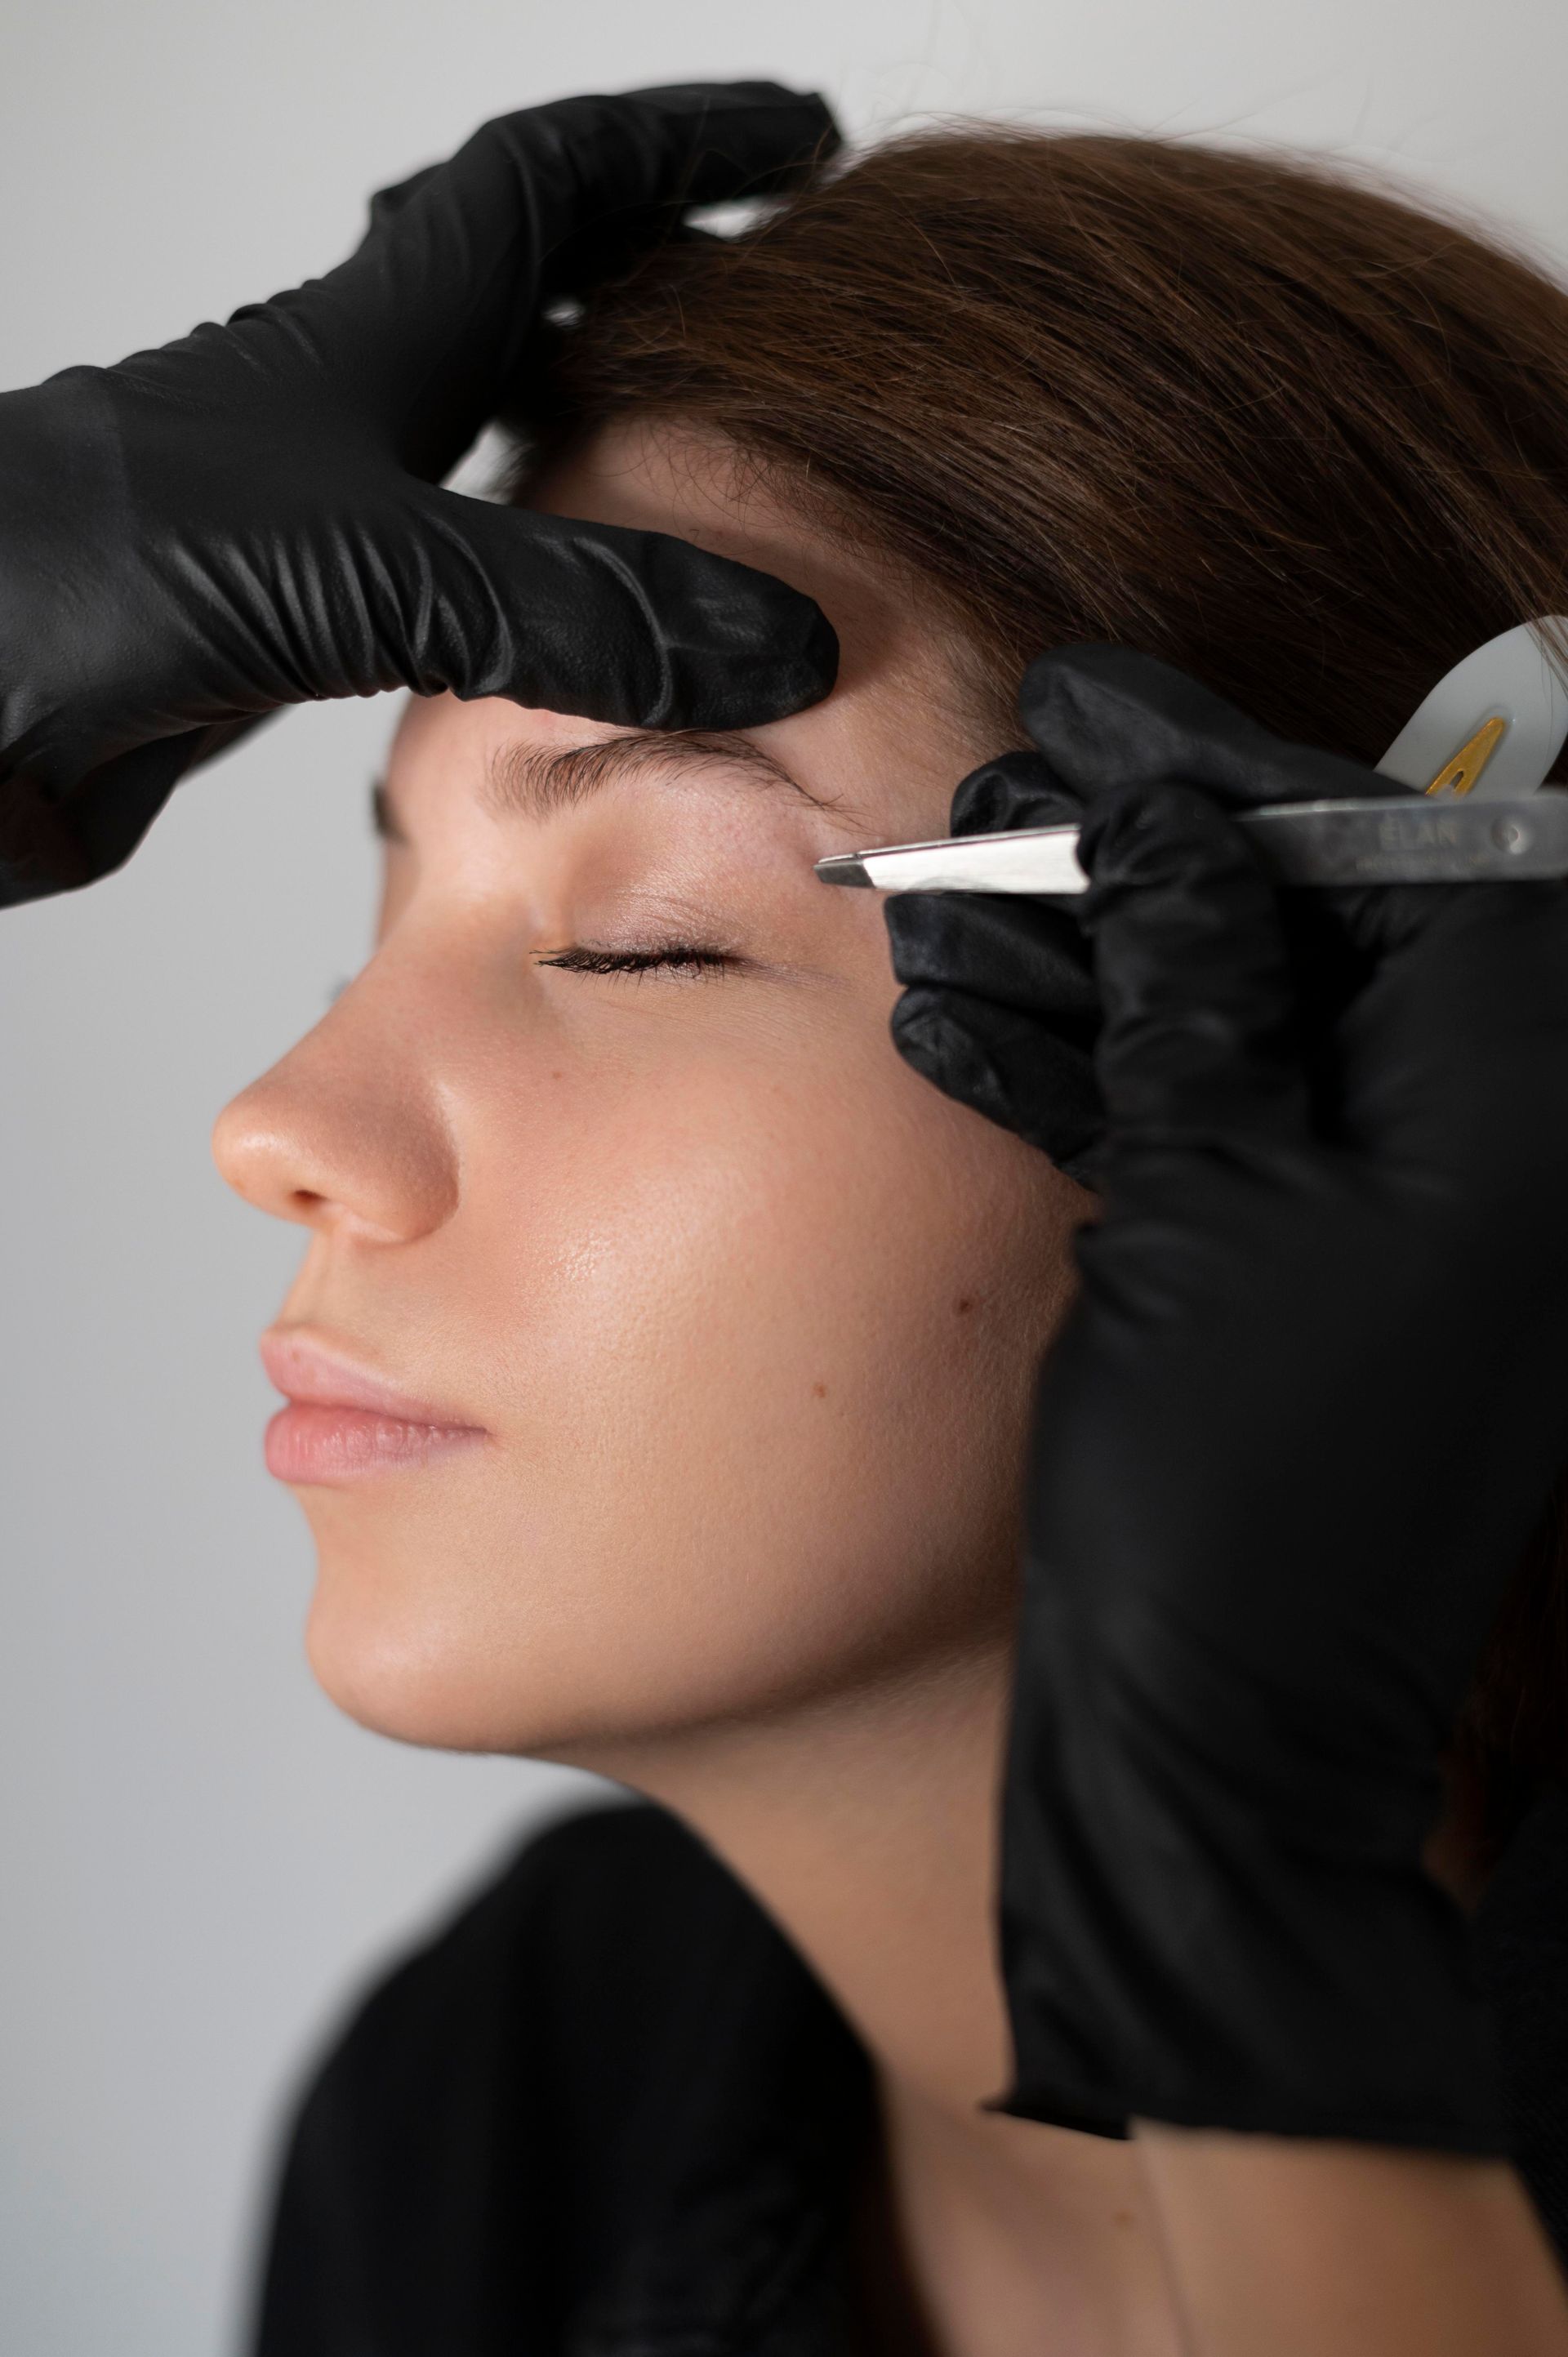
(659, 475)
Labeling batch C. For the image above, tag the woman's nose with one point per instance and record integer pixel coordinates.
(345, 1134)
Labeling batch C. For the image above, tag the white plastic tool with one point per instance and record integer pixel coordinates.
(1476, 754)
(1515, 679)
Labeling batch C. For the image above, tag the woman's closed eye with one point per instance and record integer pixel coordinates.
(669, 957)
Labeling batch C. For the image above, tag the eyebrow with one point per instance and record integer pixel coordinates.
(535, 781)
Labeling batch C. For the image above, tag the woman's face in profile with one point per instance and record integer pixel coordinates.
(726, 1319)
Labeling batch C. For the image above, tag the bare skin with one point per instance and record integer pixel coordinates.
(1305, 2249)
(747, 1315)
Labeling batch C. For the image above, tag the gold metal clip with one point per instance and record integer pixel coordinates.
(1456, 776)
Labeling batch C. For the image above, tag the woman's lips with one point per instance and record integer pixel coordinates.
(342, 1423)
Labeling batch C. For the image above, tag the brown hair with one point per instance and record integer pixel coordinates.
(1261, 418)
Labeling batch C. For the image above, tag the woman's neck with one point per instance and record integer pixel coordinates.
(867, 1827)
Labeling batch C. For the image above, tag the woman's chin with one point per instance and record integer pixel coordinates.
(403, 1673)
(414, 1666)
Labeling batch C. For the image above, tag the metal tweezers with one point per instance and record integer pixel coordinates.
(1476, 814)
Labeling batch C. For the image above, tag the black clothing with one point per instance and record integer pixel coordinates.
(609, 2113)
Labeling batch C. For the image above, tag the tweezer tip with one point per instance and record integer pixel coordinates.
(844, 867)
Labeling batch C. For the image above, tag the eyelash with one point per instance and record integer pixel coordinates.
(671, 957)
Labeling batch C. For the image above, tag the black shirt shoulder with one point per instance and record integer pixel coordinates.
(606, 2106)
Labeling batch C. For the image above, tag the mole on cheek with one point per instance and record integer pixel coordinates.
(962, 1307)
(819, 1391)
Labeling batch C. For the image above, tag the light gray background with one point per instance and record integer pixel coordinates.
(197, 1860)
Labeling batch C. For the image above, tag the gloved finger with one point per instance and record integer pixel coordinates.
(1013, 789)
(1001, 1010)
(1009, 1066)
(684, 146)
(423, 325)
(1023, 952)
(1108, 717)
(1200, 1034)
(633, 628)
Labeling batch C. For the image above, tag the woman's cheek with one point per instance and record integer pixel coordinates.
(662, 1227)
(726, 1267)
(752, 1318)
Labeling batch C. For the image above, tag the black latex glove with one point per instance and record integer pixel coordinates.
(1288, 1446)
(1001, 1010)
(248, 517)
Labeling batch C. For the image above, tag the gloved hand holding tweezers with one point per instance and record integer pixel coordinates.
(248, 517)
(1001, 1010)
(1289, 1443)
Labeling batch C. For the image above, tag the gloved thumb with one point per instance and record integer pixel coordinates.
(999, 1009)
